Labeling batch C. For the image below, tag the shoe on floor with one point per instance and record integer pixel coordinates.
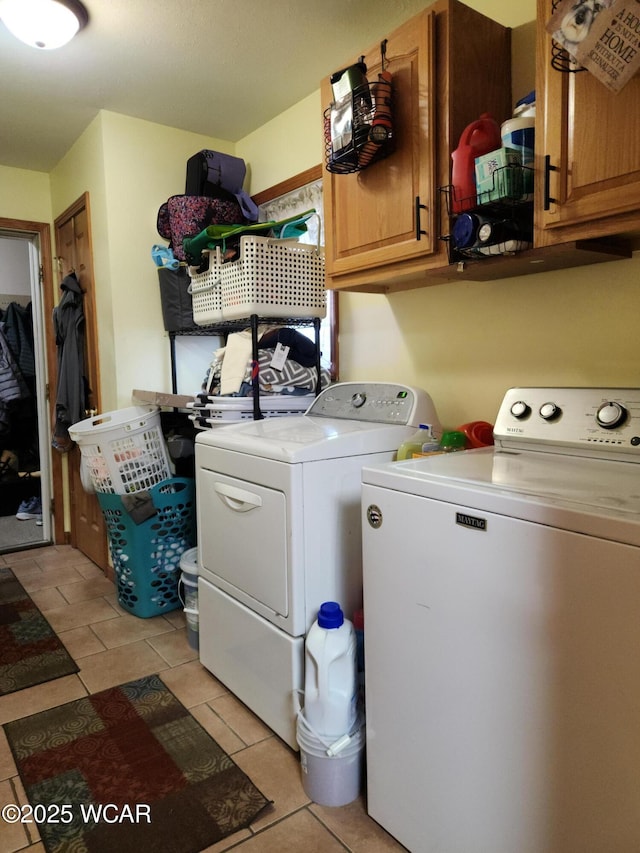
(31, 508)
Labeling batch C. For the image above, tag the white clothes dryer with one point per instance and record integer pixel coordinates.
(279, 532)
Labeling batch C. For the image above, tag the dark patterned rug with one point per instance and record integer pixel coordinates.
(30, 650)
(129, 769)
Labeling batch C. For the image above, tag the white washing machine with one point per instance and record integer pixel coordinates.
(502, 643)
(279, 532)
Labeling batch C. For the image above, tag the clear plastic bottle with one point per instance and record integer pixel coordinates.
(421, 442)
(331, 679)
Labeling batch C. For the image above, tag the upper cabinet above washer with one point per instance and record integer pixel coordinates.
(383, 224)
(588, 151)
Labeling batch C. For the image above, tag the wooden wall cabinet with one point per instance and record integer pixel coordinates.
(383, 224)
(588, 144)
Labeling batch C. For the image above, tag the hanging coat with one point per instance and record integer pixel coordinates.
(69, 325)
(12, 387)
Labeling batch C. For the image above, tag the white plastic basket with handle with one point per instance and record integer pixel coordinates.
(271, 278)
(123, 451)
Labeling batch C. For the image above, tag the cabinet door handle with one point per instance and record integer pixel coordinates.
(419, 207)
(548, 168)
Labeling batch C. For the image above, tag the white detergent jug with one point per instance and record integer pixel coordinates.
(331, 678)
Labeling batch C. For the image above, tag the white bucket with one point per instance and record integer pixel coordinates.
(189, 597)
(330, 779)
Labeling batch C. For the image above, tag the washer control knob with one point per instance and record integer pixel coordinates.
(520, 410)
(610, 415)
(358, 400)
(549, 411)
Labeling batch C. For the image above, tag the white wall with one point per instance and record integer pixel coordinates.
(15, 279)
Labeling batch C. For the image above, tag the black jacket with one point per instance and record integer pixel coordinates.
(69, 325)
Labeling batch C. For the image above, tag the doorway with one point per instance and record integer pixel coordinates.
(74, 254)
(25, 457)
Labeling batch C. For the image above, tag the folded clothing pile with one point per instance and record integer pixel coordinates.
(286, 365)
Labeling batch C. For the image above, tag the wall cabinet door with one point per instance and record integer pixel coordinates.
(370, 215)
(383, 225)
(590, 136)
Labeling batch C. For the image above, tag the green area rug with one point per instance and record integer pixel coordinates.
(30, 650)
(129, 770)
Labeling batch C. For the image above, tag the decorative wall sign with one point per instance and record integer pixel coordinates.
(602, 36)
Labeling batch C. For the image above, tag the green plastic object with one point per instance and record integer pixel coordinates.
(214, 236)
(453, 440)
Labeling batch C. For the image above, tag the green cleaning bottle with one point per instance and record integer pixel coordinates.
(419, 444)
(452, 441)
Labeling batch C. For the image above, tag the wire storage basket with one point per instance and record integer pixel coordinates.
(271, 278)
(358, 130)
(146, 553)
(123, 451)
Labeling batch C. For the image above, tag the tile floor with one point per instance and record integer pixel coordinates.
(112, 646)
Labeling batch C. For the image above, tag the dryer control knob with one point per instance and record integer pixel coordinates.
(549, 411)
(610, 415)
(520, 410)
(358, 399)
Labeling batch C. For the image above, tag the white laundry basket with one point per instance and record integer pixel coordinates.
(123, 451)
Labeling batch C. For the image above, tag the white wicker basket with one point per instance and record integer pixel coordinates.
(206, 295)
(272, 278)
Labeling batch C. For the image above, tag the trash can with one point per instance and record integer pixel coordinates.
(189, 581)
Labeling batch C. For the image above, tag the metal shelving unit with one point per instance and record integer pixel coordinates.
(226, 328)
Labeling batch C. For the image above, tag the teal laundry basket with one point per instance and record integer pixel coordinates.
(148, 533)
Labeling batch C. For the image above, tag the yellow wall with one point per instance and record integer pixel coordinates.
(285, 146)
(129, 167)
(25, 195)
(467, 343)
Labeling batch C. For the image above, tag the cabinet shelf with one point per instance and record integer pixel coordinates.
(530, 261)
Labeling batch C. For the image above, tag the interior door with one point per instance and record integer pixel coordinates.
(74, 252)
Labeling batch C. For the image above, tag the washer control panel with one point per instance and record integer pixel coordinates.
(584, 421)
(376, 402)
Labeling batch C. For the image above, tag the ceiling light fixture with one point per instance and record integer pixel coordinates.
(45, 24)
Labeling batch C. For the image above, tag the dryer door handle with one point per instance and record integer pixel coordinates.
(236, 499)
